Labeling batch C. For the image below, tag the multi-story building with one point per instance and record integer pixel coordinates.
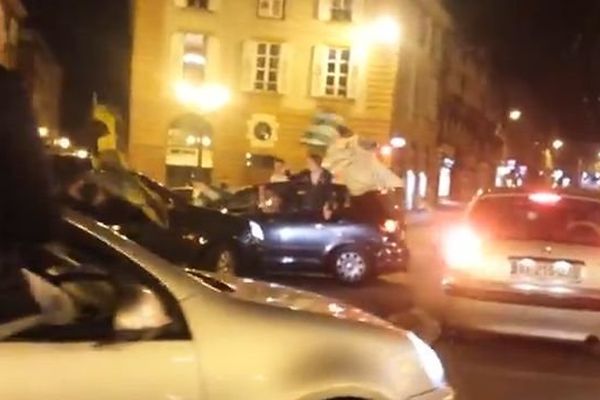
(12, 13)
(216, 80)
(416, 116)
(472, 113)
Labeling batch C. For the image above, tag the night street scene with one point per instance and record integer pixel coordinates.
(300, 199)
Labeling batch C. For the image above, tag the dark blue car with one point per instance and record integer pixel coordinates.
(352, 238)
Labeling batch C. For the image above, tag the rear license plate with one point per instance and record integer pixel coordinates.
(546, 270)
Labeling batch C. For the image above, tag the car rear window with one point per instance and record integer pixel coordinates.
(568, 220)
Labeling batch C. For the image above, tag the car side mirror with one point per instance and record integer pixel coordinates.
(140, 309)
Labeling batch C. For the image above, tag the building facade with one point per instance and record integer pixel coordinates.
(12, 13)
(214, 81)
(417, 97)
(472, 119)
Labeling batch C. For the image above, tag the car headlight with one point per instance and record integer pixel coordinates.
(256, 231)
(429, 360)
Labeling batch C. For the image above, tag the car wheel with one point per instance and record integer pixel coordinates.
(225, 261)
(351, 266)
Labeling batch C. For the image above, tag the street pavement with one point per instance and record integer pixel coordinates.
(479, 367)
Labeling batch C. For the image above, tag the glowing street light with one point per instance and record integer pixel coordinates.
(558, 144)
(63, 142)
(207, 97)
(206, 141)
(43, 131)
(515, 114)
(385, 30)
(386, 150)
(398, 142)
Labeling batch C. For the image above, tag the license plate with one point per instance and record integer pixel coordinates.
(546, 270)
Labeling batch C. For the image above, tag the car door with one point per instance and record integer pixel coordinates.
(79, 358)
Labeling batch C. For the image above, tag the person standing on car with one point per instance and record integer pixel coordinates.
(28, 212)
(318, 183)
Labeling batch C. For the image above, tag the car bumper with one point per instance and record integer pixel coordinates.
(392, 257)
(439, 394)
(499, 309)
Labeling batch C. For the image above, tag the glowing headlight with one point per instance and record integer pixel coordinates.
(256, 231)
(429, 360)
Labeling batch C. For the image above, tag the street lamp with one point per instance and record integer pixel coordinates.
(515, 114)
(207, 97)
(398, 142)
(557, 144)
(385, 30)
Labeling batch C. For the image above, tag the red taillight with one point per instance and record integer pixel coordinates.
(462, 247)
(545, 198)
(390, 226)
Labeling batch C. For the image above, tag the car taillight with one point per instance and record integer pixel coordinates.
(390, 226)
(462, 247)
(544, 198)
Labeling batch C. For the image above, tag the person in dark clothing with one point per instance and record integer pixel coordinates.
(28, 213)
(318, 182)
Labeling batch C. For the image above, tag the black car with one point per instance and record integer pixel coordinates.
(351, 238)
(149, 214)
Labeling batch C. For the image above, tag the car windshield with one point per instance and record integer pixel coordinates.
(567, 220)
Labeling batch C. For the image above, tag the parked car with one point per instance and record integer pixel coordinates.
(189, 236)
(123, 324)
(350, 241)
(524, 262)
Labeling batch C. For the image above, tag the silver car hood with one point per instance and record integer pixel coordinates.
(277, 295)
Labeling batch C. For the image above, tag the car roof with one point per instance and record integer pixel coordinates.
(522, 191)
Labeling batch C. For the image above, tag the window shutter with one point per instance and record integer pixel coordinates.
(181, 3)
(214, 5)
(324, 11)
(248, 67)
(358, 10)
(354, 74)
(177, 55)
(285, 62)
(319, 67)
(213, 59)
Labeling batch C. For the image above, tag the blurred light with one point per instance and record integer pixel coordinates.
(63, 142)
(190, 140)
(515, 114)
(248, 156)
(385, 30)
(206, 141)
(256, 231)
(462, 247)
(398, 142)
(43, 131)
(390, 226)
(557, 144)
(207, 97)
(411, 181)
(545, 198)
(422, 184)
(82, 153)
(386, 150)
(194, 58)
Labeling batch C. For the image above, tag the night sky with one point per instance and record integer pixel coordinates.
(91, 39)
(553, 45)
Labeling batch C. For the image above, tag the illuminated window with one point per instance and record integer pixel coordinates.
(271, 8)
(337, 72)
(197, 3)
(268, 56)
(194, 57)
(341, 10)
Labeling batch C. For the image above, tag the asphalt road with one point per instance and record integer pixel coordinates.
(480, 367)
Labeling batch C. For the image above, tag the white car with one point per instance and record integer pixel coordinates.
(120, 323)
(526, 263)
